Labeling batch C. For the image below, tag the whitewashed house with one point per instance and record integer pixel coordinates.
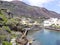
(29, 21)
(50, 21)
(47, 23)
(58, 22)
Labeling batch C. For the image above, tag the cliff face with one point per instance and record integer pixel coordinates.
(19, 8)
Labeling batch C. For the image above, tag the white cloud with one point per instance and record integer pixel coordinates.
(35, 2)
(38, 2)
(58, 4)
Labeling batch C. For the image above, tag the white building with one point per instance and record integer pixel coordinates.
(58, 22)
(47, 23)
(29, 21)
(50, 21)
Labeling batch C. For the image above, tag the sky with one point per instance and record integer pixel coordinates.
(53, 5)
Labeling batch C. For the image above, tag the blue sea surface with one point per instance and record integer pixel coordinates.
(47, 37)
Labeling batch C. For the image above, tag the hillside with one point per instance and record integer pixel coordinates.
(21, 9)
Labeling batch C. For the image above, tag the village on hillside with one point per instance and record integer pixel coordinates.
(52, 23)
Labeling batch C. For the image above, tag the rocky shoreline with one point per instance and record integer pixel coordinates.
(51, 28)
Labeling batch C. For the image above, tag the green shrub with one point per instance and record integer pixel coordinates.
(6, 28)
(12, 22)
(2, 37)
(4, 18)
(6, 43)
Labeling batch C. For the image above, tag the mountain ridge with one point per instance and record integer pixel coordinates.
(19, 8)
